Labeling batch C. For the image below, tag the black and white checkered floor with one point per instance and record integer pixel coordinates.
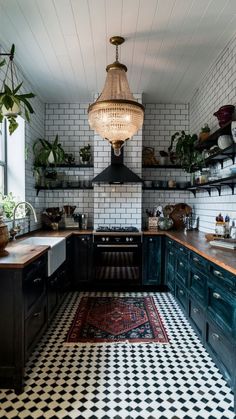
(121, 381)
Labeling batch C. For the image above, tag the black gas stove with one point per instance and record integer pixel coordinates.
(117, 229)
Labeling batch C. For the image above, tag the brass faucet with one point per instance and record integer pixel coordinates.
(16, 229)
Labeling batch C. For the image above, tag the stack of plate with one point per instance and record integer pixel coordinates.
(223, 243)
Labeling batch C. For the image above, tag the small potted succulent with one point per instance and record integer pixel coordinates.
(85, 154)
(205, 132)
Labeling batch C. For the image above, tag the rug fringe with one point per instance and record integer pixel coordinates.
(112, 343)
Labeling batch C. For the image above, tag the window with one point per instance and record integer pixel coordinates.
(3, 159)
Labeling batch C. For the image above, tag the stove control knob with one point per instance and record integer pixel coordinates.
(107, 239)
(127, 239)
(103, 239)
(131, 239)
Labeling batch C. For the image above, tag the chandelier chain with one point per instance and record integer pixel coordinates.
(117, 53)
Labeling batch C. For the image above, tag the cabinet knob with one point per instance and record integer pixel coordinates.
(181, 264)
(37, 314)
(216, 295)
(217, 273)
(83, 239)
(181, 249)
(196, 259)
(215, 336)
(195, 310)
(171, 253)
(150, 239)
(181, 292)
(37, 280)
(196, 277)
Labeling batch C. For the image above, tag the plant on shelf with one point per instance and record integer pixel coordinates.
(189, 158)
(12, 102)
(85, 154)
(205, 132)
(8, 203)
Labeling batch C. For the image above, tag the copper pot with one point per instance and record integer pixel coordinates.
(4, 237)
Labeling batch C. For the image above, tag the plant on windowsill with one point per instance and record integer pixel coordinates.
(8, 203)
(85, 154)
(189, 158)
(12, 103)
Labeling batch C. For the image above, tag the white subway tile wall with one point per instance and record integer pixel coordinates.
(118, 204)
(160, 123)
(216, 89)
(70, 122)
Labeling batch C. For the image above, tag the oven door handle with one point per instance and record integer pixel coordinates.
(117, 245)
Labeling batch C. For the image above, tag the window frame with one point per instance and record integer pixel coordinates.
(3, 163)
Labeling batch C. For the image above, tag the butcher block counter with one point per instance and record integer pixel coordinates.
(20, 255)
(195, 241)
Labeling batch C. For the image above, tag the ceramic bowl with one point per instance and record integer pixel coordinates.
(224, 141)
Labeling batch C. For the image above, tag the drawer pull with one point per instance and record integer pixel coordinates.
(37, 280)
(196, 260)
(37, 314)
(181, 264)
(181, 249)
(218, 274)
(150, 239)
(216, 295)
(169, 242)
(215, 336)
(196, 277)
(171, 253)
(181, 292)
(195, 310)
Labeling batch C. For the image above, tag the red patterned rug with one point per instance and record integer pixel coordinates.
(116, 319)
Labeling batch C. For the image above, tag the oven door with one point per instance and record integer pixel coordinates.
(118, 264)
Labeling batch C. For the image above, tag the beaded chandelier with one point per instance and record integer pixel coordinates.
(115, 115)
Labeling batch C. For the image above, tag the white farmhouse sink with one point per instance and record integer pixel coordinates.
(56, 253)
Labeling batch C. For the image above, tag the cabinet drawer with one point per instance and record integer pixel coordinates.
(181, 250)
(222, 306)
(34, 325)
(197, 284)
(198, 262)
(197, 316)
(223, 278)
(181, 295)
(222, 349)
(182, 269)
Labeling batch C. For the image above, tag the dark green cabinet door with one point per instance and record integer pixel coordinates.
(152, 270)
(83, 248)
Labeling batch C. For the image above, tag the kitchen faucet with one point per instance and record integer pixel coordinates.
(14, 230)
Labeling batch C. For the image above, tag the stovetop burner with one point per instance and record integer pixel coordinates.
(118, 229)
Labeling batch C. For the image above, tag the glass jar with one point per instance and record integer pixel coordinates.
(204, 175)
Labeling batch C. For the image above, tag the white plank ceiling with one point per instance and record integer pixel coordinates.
(63, 46)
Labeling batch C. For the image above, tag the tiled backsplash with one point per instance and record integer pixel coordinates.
(216, 89)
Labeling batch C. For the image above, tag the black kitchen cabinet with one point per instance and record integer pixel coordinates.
(23, 319)
(83, 261)
(152, 263)
(57, 285)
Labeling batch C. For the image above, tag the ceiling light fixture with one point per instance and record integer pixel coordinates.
(115, 115)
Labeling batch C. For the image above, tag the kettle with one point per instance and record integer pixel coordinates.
(82, 220)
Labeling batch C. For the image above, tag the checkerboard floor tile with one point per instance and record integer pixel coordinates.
(121, 381)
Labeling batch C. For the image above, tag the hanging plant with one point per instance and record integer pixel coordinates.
(12, 103)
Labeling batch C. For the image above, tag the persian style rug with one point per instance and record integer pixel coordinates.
(116, 319)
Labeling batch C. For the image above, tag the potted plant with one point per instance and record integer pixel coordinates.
(189, 158)
(12, 103)
(8, 203)
(85, 154)
(47, 153)
(163, 157)
(205, 132)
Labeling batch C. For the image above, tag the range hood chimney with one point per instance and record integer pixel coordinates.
(117, 172)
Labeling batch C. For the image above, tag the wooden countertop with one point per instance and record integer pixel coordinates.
(20, 255)
(195, 240)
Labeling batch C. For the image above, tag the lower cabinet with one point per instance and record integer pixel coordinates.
(152, 263)
(207, 295)
(57, 285)
(83, 261)
(23, 314)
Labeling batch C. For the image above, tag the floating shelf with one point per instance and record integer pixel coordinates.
(153, 188)
(60, 188)
(215, 184)
(164, 166)
(68, 166)
(221, 155)
(212, 139)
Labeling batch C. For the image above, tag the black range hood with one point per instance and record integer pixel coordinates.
(117, 172)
